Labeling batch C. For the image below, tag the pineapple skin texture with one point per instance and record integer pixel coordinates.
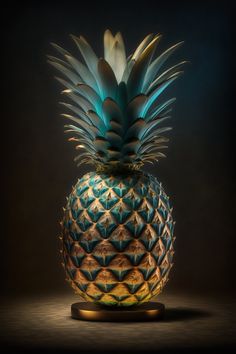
(117, 241)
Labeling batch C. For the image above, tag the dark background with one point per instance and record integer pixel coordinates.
(37, 161)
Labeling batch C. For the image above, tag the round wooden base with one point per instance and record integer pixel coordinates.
(88, 311)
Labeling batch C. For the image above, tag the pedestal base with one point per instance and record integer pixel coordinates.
(88, 311)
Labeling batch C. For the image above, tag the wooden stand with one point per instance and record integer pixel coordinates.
(151, 311)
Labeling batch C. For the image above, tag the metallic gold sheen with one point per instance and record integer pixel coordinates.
(117, 238)
(91, 312)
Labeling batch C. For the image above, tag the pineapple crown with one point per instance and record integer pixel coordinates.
(116, 111)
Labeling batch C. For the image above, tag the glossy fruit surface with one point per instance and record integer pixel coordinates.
(118, 238)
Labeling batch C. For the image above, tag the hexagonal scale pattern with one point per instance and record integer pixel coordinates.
(117, 238)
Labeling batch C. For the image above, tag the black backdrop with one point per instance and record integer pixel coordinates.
(37, 162)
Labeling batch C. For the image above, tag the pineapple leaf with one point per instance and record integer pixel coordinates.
(84, 143)
(116, 127)
(157, 110)
(59, 61)
(77, 111)
(133, 145)
(97, 121)
(140, 68)
(91, 130)
(108, 42)
(157, 64)
(86, 76)
(111, 111)
(142, 46)
(91, 95)
(134, 129)
(88, 54)
(113, 138)
(108, 81)
(155, 94)
(150, 126)
(127, 71)
(114, 53)
(135, 107)
(66, 72)
(165, 76)
(62, 51)
(101, 144)
(80, 101)
(155, 133)
(87, 160)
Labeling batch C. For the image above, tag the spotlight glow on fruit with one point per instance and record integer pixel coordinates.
(117, 225)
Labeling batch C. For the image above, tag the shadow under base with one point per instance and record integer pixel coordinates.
(88, 311)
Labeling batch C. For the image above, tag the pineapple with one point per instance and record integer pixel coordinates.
(117, 225)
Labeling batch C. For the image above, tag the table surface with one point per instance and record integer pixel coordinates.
(191, 323)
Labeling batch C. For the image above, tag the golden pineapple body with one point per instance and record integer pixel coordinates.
(118, 238)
